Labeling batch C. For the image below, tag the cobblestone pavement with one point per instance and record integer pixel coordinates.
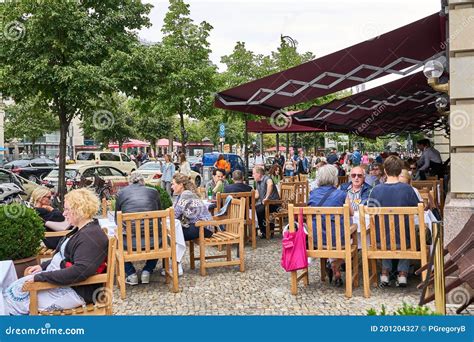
(263, 289)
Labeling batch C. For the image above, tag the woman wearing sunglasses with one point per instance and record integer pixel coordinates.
(52, 217)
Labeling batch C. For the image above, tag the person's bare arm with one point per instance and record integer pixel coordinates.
(57, 226)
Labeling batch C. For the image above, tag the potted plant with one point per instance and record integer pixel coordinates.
(165, 198)
(21, 232)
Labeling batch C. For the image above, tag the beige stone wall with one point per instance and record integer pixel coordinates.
(461, 68)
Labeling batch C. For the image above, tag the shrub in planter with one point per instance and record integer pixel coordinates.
(405, 310)
(165, 198)
(21, 231)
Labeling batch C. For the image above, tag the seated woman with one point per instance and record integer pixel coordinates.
(52, 217)
(188, 207)
(78, 256)
(327, 195)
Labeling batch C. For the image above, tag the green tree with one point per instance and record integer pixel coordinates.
(29, 119)
(189, 85)
(112, 120)
(64, 52)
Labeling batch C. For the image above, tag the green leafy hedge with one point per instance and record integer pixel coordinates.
(165, 199)
(21, 231)
(405, 310)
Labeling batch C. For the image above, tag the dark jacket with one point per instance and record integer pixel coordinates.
(86, 250)
(237, 187)
(366, 188)
(136, 198)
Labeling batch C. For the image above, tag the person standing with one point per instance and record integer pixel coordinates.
(289, 167)
(184, 167)
(356, 157)
(332, 157)
(302, 165)
(167, 170)
(259, 160)
(266, 190)
(430, 163)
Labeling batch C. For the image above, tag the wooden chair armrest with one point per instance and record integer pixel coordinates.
(56, 234)
(217, 223)
(42, 285)
(273, 202)
(353, 228)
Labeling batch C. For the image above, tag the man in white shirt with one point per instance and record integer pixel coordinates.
(259, 160)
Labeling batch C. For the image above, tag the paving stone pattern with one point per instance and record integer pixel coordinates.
(263, 289)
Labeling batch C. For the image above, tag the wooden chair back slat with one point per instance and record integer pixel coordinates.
(147, 236)
(328, 232)
(319, 232)
(411, 220)
(383, 236)
(391, 222)
(337, 219)
(373, 235)
(403, 242)
(138, 235)
(309, 221)
(342, 179)
(129, 236)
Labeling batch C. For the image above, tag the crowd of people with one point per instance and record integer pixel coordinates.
(384, 182)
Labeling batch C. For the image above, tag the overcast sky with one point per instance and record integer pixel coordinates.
(319, 26)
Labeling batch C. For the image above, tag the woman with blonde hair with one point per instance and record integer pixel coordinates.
(53, 219)
(81, 254)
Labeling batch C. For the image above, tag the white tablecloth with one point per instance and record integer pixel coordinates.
(7, 276)
(111, 226)
(429, 219)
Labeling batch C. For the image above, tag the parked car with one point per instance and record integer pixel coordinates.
(78, 175)
(151, 170)
(196, 163)
(27, 186)
(209, 159)
(32, 169)
(115, 159)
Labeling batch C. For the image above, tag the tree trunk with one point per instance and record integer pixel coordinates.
(63, 130)
(287, 145)
(33, 147)
(277, 143)
(183, 133)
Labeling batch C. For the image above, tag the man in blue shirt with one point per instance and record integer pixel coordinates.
(238, 185)
(356, 157)
(393, 193)
(332, 157)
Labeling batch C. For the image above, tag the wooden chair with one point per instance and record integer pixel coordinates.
(373, 250)
(433, 185)
(287, 179)
(428, 198)
(287, 196)
(232, 235)
(302, 177)
(160, 248)
(103, 303)
(325, 249)
(106, 207)
(342, 179)
(202, 192)
(45, 252)
(250, 212)
(301, 193)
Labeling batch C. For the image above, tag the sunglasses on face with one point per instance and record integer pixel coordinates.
(359, 175)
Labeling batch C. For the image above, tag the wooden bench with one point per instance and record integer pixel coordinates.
(232, 235)
(161, 248)
(103, 301)
(325, 249)
(379, 249)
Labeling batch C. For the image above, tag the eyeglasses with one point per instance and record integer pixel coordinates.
(354, 175)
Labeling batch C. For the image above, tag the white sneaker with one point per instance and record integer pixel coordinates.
(145, 277)
(132, 279)
(402, 281)
(180, 270)
(384, 280)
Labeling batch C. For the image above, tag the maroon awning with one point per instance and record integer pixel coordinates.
(397, 52)
(404, 105)
(265, 126)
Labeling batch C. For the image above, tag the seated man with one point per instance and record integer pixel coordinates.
(134, 198)
(217, 183)
(393, 193)
(238, 186)
(357, 189)
(266, 190)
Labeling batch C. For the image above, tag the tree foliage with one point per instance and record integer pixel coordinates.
(63, 53)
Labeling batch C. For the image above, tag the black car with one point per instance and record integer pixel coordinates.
(31, 169)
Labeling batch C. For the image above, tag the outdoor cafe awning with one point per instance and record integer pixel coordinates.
(400, 51)
(404, 105)
(131, 143)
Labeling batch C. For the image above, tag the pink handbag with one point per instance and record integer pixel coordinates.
(293, 256)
